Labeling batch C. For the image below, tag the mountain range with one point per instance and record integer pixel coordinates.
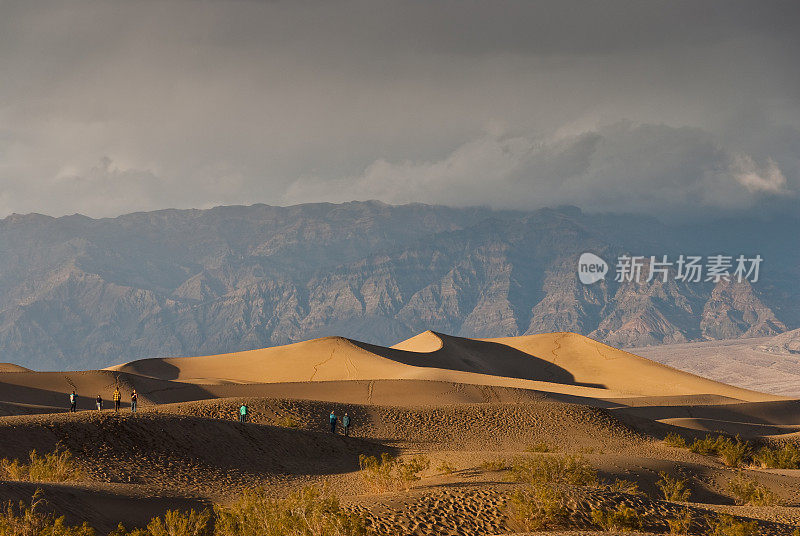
(78, 293)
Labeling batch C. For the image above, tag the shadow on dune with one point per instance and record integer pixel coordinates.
(481, 357)
(154, 367)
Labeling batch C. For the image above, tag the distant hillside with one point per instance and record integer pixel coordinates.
(80, 293)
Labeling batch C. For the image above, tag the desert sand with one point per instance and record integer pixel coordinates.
(459, 402)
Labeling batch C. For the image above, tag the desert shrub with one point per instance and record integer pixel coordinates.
(674, 488)
(494, 465)
(734, 452)
(541, 446)
(287, 421)
(748, 491)
(538, 507)
(56, 466)
(680, 523)
(785, 457)
(26, 520)
(727, 525)
(675, 440)
(622, 518)
(624, 486)
(567, 469)
(445, 468)
(312, 511)
(390, 473)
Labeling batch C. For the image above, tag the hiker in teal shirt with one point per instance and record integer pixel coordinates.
(243, 413)
(346, 424)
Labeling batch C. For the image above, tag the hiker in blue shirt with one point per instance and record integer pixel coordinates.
(346, 424)
(333, 422)
(73, 402)
(134, 401)
(243, 413)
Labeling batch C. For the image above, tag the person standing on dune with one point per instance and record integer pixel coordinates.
(117, 399)
(73, 402)
(346, 424)
(333, 422)
(99, 403)
(243, 413)
(134, 399)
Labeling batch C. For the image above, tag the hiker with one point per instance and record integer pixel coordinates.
(117, 398)
(243, 413)
(134, 398)
(73, 402)
(346, 424)
(333, 422)
(99, 402)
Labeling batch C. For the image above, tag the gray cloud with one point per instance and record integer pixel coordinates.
(107, 107)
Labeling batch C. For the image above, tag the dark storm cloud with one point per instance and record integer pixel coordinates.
(666, 107)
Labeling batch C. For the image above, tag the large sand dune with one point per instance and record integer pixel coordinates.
(563, 363)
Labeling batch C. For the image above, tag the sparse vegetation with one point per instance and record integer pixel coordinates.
(494, 465)
(445, 468)
(675, 440)
(538, 507)
(541, 446)
(727, 525)
(748, 491)
(574, 470)
(27, 520)
(287, 421)
(390, 473)
(681, 523)
(784, 457)
(173, 523)
(622, 518)
(733, 451)
(56, 466)
(624, 486)
(674, 489)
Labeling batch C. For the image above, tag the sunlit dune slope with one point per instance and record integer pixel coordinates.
(563, 363)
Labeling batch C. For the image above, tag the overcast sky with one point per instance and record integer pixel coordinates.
(674, 108)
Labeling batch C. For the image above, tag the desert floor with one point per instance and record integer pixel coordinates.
(458, 402)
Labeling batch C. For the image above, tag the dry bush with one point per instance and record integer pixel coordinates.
(26, 520)
(622, 518)
(390, 473)
(624, 486)
(541, 446)
(675, 440)
(674, 489)
(539, 507)
(56, 466)
(734, 452)
(494, 465)
(748, 491)
(681, 523)
(309, 512)
(445, 468)
(726, 525)
(287, 421)
(574, 470)
(785, 457)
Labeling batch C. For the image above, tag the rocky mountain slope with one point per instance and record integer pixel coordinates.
(80, 293)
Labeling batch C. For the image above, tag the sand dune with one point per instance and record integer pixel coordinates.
(11, 367)
(563, 363)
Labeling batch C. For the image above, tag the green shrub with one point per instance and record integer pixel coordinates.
(675, 440)
(734, 452)
(622, 518)
(538, 507)
(541, 446)
(747, 491)
(674, 489)
(785, 457)
(681, 523)
(309, 512)
(56, 466)
(445, 468)
(727, 525)
(390, 473)
(565, 469)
